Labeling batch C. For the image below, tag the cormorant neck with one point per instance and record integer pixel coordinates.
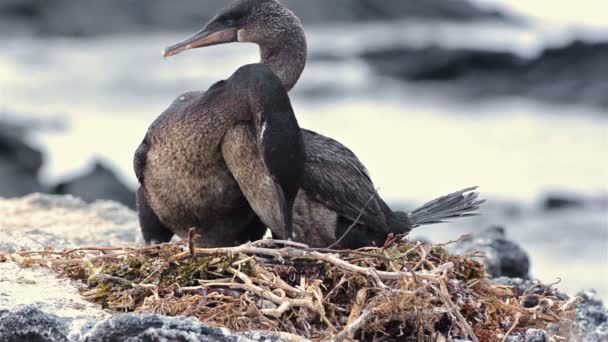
(286, 58)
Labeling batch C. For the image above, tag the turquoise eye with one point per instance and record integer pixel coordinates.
(229, 22)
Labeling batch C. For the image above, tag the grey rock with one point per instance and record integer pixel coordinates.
(19, 164)
(591, 324)
(100, 183)
(502, 257)
(86, 18)
(29, 324)
(564, 74)
(437, 63)
(136, 328)
(516, 337)
(555, 202)
(536, 335)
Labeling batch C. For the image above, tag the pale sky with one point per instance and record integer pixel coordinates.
(580, 12)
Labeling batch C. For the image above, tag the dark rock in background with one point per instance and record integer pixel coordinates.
(101, 183)
(559, 202)
(19, 164)
(439, 64)
(571, 74)
(86, 18)
(503, 258)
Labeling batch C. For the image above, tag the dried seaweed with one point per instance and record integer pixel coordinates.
(402, 291)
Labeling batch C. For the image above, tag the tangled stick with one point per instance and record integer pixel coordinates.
(292, 290)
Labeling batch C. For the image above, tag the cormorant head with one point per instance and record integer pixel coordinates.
(264, 22)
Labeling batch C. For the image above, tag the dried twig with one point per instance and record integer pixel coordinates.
(355, 326)
(453, 310)
(288, 288)
(191, 240)
(515, 323)
(357, 309)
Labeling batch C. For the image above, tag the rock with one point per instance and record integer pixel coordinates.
(502, 257)
(19, 164)
(536, 335)
(158, 328)
(567, 74)
(439, 64)
(560, 202)
(36, 305)
(591, 324)
(30, 324)
(516, 337)
(38, 221)
(86, 18)
(100, 183)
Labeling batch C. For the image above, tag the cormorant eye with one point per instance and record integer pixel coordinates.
(229, 22)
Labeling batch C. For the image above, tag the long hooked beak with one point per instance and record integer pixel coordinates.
(202, 39)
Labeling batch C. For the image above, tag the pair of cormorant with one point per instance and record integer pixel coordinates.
(233, 160)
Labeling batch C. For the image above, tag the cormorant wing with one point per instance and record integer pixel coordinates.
(335, 177)
(265, 153)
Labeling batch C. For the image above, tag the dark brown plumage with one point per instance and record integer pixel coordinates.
(184, 180)
(225, 186)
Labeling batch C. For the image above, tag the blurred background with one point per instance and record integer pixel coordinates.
(432, 95)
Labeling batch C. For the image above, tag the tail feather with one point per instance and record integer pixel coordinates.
(463, 203)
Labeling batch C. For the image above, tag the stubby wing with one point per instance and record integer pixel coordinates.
(335, 177)
(269, 176)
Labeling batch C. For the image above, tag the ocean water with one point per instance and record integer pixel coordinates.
(417, 143)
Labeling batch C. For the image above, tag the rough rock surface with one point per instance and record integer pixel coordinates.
(85, 18)
(532, 335)
(100, 183)
(31, 324)
(591, 323)
(536, 335)
(566, 74)
(37, 221)
(159, 328)
(19, 164)
(502, 257)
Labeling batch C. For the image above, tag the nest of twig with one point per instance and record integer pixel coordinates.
(401, 291)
